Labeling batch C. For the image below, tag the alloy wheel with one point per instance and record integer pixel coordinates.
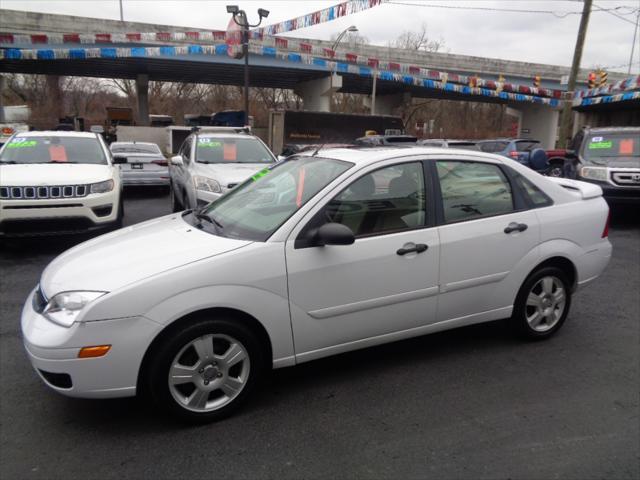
(545, 304)
(209, 372)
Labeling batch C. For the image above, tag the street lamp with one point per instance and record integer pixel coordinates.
(352, 28)
(240, 18)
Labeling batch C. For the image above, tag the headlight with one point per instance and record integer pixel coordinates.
(594, 173)
(102, 187)
(206, 184)
(65, 307)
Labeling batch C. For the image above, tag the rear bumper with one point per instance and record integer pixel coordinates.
(144, 178)
(593, 262)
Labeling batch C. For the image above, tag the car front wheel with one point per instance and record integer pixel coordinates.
(206, 371)
(542, 304)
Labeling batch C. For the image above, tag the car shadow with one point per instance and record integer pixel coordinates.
(139, 192)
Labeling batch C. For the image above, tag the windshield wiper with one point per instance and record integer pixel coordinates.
(208, 218)
(12, 162)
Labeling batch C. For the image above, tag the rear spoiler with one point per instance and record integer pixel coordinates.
(584, 189)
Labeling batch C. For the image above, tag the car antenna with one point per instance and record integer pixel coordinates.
(317, 150)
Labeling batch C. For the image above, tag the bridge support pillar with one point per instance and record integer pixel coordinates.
(142, 92)
(539, 122)
(316, 94)
(2, 82)
(387, 104)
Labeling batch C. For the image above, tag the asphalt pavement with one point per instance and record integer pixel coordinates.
(469, 403)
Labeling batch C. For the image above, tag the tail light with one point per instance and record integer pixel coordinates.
(513, 154)
(605, 232)
(162, 163)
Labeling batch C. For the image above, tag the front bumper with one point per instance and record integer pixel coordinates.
(53, 352)
(60, 215)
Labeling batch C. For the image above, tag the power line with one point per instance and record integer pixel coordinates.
(610, 12)
(557, 14)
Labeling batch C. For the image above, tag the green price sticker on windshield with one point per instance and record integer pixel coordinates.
(260, 174)
(207, 143)
(601, 145)
(22, 143)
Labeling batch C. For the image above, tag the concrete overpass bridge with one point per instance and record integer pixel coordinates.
(35, 43)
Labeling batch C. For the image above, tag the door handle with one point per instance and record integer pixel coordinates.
(419, 248)
(516, 227)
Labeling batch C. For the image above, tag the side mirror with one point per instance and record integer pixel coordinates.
(334, 234)
(177, 160)
(119, 160)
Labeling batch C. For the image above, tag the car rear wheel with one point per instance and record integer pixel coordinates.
(206, 371)
(555, 170)
(542, 304)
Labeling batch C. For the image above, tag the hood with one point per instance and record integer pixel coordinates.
(42, 174)
(230, 172)
(134, 253)
(623, 162)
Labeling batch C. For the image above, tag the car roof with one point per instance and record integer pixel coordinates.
(363, 155)
(224, 135)
(57, 133)
(613, 129)
(133, 142)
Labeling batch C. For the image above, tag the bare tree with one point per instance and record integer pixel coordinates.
(417, 40)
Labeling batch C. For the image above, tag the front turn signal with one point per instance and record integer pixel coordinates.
(93, 352)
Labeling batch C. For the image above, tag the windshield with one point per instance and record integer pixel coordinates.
(256, 208)
(232, 150)
(134, 148)
(54, 149)
(598, 148)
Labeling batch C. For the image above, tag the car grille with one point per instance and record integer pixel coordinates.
(626, 179)
(39, 192)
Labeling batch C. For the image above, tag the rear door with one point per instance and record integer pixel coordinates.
(486, 230)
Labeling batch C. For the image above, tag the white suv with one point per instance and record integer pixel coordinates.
(58, 182)
(212, 163)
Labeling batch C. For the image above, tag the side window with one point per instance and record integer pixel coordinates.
(535, 197)
(387, 200)
(473, 189)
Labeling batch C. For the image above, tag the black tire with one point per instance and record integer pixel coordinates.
(155, 380)
(556, 170)
(521, 310)
(176, 206)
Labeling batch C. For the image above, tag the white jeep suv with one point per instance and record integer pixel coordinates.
(57, 183)
(212, 163)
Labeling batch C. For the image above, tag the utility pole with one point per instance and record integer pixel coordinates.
(567, 112)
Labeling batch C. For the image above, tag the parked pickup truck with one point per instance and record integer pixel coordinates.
(610, 158)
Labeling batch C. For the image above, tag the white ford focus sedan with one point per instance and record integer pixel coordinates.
(329, 252)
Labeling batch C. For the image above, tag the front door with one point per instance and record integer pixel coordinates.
(343, 297)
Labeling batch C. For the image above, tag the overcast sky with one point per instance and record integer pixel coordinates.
(529, 37)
